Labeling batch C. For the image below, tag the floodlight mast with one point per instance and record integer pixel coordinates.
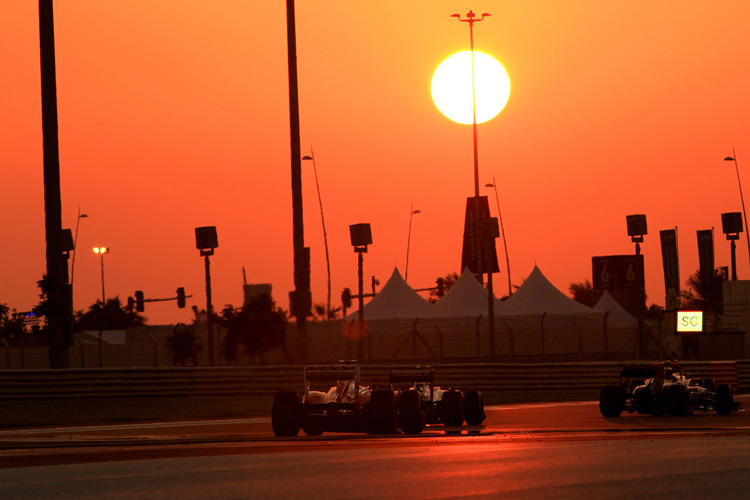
(471, 19)
(742, 199)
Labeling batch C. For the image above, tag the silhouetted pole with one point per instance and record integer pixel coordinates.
(209, 311)
(206, 240)
(502, 231)
(75, 246)
(742, 199)
(471, 19)
(59, 299)
(641, 302)
(490, 231)
(361, 312)
(301, 278)
(408, 241)
(325, 234)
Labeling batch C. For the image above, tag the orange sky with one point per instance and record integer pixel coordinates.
(174, 115)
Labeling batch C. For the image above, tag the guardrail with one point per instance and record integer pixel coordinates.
(230, 381)
(47, 396)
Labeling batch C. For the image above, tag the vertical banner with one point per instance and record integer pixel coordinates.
(670, 260)
(469, 256)
(706, 253)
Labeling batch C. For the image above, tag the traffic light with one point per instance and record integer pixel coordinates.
(131, 304)
(346, 298)
(440, 287)
(181, 297)
(139, 301)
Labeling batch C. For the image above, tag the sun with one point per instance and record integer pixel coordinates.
(451, 87)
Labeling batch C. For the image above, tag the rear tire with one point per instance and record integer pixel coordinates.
(677, 400)
(724, 403)
(285, 414)
(411, 418)
(313, 426)
(453, 409)
(474, 408)
(611, 401)
(382, 415)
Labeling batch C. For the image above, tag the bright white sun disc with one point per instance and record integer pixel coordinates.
(452, 90)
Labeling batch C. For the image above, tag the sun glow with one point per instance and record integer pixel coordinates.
(451, 87)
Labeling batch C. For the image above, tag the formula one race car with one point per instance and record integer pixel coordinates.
(344, 407)
(662, 388)
(449, 407)
(347, 406)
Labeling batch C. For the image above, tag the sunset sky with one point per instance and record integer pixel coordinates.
(174, 114)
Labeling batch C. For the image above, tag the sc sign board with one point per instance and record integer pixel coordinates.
(617, 272)
(689, 321)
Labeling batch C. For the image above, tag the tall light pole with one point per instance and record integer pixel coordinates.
(361, 236)
(60, 311)
(742, 199)
(206, 241)
(502, 229)
(75, 245)
(101, 251)
(471, 19)
(478, 240)
(300, 298)
(325, 235)
(408, 240)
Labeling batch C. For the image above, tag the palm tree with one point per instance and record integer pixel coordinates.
(448, 281)
(584, 293)
(704, 293)
(108, 316)
(257, 327)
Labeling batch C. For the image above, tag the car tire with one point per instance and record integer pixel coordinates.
(382, 414)
(676, 399)
(285, 414)
(611, 401)
(411, 418)
(453, 409)
(474, 408)
(724, 402)
(313, 426)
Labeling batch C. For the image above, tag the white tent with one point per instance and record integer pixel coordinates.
(618, 316)
(537, 295)
(396, 300)
(466, 298)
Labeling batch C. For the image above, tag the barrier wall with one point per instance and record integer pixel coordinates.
(34, 397)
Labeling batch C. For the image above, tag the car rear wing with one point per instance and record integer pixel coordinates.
(648, 371)
(334, 374)
(413, 375)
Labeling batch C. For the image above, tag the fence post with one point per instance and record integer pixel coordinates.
(156, 355)
(83, 359)
(512, 340)
(604, 331)
(7, 353)
(479, 352)
(440, 342)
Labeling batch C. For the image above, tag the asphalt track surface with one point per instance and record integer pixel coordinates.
(552, 450)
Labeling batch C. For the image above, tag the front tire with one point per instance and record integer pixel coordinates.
(611, 401)
(285, 414)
